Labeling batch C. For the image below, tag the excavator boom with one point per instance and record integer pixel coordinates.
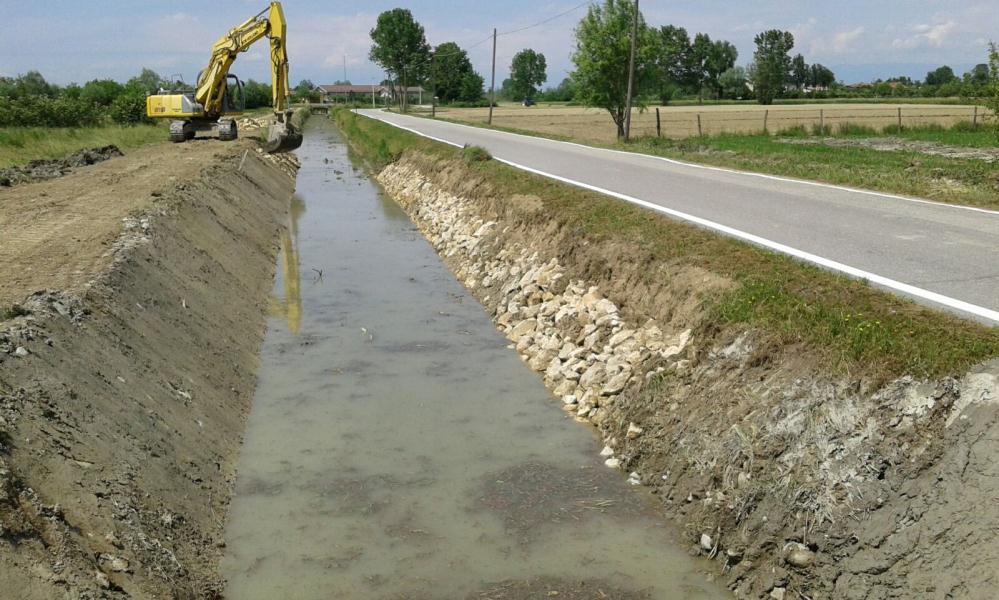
(210, 104)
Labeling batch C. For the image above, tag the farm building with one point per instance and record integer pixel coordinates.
(363, 93)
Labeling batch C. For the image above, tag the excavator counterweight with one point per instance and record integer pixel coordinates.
(218, 95)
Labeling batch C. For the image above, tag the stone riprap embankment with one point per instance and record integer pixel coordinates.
(794, 479)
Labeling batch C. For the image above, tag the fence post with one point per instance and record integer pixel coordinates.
(659, 125)
(766, 115)
(699, 132)
(974, 120)
(900, 118)
(822, 122)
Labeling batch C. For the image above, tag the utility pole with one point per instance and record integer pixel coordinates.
(492, 84)
(345, 68)
(631, 75)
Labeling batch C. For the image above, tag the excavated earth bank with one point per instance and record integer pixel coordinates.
(794, 482)
(122, 404)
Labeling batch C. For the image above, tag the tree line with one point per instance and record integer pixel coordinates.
(671, 64)
(28, 100)
(399, 46)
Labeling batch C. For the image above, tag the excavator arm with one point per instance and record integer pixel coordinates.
(269, 23)
(207, 103)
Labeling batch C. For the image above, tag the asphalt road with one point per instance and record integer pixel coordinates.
(940, 255)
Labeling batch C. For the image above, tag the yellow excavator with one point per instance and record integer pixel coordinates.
(218, 99)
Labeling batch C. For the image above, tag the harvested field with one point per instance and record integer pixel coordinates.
(595, 125)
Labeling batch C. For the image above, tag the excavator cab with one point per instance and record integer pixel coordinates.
(234, 100)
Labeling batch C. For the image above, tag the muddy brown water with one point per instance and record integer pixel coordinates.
(398, 449)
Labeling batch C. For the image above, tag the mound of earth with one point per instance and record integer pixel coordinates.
(41, 170)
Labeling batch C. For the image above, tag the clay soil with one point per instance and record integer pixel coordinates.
(127, 367)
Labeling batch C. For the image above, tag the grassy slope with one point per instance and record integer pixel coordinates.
(21, 145)
(860, 330)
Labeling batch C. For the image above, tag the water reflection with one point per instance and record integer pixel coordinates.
(290, 307)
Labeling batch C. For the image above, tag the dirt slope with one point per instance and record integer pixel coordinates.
(124, 391)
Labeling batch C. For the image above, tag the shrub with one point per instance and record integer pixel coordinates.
(129, 109)
(473, 154)
(43, 111)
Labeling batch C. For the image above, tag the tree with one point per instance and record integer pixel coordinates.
(721, 58)
(700, 54)
(733, 83)
(30, 84)
(505, 90)
(527, 72)
(800, 73)
(940, 76)
(146, 82)
(101, 91)
(258, 95)
(992, 90)
(673, 56)
(303, 90)
(979, 75)
(471, 87)
(451, 72)
(820, 76)
(603, 48)
(342, 82)
(400, 47)
(563, 92)
(771, 64)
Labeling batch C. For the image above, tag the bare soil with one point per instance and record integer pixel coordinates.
(794, 482)
(894, 144)
(40, 170)
(125, 387)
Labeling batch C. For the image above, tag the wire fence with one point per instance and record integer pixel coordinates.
(683, 122)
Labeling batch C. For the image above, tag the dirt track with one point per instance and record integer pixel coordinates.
(124, 390)
(59, 234)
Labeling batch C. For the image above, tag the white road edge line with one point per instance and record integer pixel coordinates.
(905, 288)
(681, 163)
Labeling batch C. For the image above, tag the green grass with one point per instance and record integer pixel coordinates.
(858, 329)
(960, 181)
(11, 311)
(21, 145)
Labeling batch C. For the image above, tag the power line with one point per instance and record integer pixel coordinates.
(548, 20)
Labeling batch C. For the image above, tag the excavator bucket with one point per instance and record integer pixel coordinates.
(283, 136)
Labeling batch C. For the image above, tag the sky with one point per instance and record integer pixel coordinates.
(74, 41)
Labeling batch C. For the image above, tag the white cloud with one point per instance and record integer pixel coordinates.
(845, 41)
(925, 35)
